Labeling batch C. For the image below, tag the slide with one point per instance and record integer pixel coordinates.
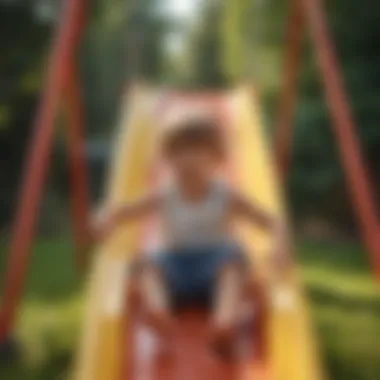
(114, 344)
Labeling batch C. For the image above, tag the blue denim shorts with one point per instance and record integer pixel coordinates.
(190, 273)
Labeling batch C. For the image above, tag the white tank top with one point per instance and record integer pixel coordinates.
(202, 223)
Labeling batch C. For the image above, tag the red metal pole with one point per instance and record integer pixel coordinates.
(284, 125)
(344, 129)
(37, 162)
(77, 168)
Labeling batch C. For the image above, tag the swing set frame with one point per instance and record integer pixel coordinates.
(62, 86)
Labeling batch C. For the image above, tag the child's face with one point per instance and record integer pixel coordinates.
(194, 163)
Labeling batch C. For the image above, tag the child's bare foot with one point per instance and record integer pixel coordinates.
(223, 339)
(165, 351)
(161, 323)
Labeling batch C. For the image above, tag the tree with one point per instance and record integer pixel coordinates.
(240, 28)
(122, 39)
(204, 50)
(21, 70)
(317, 185)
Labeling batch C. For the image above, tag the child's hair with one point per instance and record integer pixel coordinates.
(194, 132)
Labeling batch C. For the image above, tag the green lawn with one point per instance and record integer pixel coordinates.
(345, 306)
(48, 319)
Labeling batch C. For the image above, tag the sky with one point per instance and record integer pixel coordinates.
(182, 8)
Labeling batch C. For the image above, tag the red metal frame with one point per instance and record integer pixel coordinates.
(343, 126)
(77, 168)
(62, 55)
(61, 79)
(284, 128)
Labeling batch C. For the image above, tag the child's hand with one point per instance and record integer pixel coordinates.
(281, 261)
(102, 224)
(105, 220)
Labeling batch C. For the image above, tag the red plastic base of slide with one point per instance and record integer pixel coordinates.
(190, 356)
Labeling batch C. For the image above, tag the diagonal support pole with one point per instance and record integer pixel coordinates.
(77, 169)
(285, 117)
(37, 161)
(344, 129)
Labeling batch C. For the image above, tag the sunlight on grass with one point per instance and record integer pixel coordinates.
(48, 328)
(342, 269)
(345, 302)
(48, 317)
(344, 285)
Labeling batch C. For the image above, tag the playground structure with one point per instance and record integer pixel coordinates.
(109, 346)
(115, 343)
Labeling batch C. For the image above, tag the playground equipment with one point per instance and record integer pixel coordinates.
(110, 347)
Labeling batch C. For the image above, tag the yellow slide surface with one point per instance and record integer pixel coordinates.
(102, 348)
(292, 352)
(102, 351)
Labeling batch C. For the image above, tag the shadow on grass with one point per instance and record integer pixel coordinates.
(340, 257)
(51, 273)
(47, 326)
(54, 368)
(347, 303)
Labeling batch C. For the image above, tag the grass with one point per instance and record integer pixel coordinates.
(47, 323)
(345, 305)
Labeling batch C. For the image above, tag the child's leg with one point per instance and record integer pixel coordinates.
(228, 297)
(155, 298)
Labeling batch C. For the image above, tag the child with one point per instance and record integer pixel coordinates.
(201, 261)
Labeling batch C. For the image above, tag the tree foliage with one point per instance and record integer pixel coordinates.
(204, 48)
(228, 40)
(20, 77)
(116, 33)
(318, 183)
(251, 39)
(238, 33)
(123, 39)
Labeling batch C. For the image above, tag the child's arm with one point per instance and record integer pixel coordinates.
(242, 207)
(106, 221)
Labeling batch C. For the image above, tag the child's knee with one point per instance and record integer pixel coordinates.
(231, 267)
